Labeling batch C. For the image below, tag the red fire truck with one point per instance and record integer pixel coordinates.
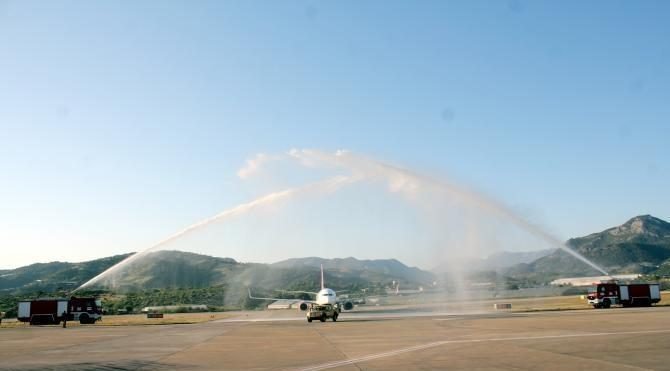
(606, 294)
(49, 311)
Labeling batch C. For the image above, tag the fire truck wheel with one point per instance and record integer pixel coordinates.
(323, 318)
(606, 303)
(309, 319)
(83, 318)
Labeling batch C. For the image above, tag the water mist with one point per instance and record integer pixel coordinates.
(406, 183)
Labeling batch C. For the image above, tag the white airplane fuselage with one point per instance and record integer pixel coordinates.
(326, 296)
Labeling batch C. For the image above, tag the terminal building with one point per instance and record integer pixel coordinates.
(588, 281)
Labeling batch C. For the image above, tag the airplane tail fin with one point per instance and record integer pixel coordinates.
(323, 285)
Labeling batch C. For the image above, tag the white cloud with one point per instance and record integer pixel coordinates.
(255, 164)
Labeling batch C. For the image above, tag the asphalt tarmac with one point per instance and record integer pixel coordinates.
(632, 338)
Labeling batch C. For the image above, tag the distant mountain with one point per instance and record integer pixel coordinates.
(506, 259)
(163, 269)
(53, 276)
(496, 262)
(176, 269)
(640, 245)
(376, 270)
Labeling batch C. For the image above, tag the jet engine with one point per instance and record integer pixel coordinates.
(348, 305)
(303, 306)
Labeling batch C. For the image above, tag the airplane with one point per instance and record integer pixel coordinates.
(325, 296)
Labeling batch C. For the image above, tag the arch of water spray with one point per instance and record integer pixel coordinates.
(399, 180)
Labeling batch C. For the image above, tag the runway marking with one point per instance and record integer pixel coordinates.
(396, 352)
(363, 316)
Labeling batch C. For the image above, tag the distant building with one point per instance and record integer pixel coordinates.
(588, 281)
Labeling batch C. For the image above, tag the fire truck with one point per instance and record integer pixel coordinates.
(606, 294)
(48, 311)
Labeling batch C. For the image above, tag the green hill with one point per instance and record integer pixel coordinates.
(367, 270)
(164, 277)
(54, 276)
(640, 245)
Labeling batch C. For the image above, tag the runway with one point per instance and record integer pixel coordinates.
(635, 338)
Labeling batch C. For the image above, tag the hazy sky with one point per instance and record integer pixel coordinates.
(123, 121)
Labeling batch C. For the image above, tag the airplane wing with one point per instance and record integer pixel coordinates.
(259, 298)
(299, 292)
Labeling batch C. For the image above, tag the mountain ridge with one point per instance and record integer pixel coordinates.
(171, 268)
(640, 245)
